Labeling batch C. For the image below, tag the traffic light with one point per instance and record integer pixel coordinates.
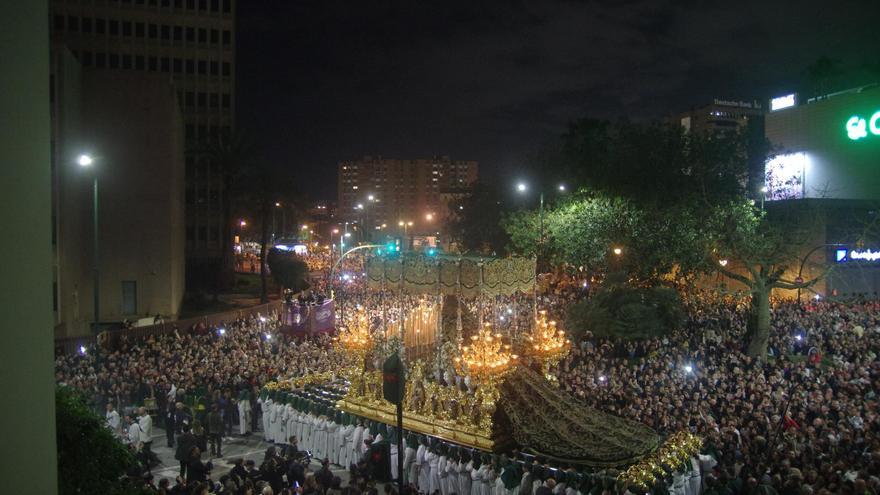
(393, 379)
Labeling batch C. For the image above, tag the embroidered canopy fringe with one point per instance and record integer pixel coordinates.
(549, 422)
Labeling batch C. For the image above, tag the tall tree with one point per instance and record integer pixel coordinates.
(229, 154)
(476, 221)
(288, 270)
(265, 186)
(760, 248)
(822, 75)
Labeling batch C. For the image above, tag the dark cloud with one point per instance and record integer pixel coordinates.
(323, 81)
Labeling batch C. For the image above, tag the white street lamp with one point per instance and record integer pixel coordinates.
(84, 160)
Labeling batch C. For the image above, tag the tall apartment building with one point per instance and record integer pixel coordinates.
(192, 42)
(401, 190)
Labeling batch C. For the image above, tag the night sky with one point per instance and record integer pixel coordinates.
(324, 81)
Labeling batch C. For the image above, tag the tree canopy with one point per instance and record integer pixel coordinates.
(288, 270)
(90, 458)
(656, 202)
(652, 164)
(476, 221)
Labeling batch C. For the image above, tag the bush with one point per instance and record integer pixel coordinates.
(90, 458)
(627, 313)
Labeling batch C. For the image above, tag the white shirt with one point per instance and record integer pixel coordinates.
(134, 433)
(113, 420)
(145, 423)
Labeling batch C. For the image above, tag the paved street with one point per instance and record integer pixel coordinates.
(251, 447)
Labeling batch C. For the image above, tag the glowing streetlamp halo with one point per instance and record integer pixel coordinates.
(84, 160)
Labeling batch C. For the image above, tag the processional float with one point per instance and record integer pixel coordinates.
(473, 385)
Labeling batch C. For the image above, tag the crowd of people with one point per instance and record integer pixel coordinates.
(203, 384)
(803, 421)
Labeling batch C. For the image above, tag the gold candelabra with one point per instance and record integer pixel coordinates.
(486, 358)
(545, 342)
(355, 338)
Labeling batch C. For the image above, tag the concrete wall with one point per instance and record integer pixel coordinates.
(131, 124)
(27, 423)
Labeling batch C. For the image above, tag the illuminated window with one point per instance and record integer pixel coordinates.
(784, 176)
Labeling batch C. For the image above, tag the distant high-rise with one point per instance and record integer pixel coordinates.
(387, 191)
(719, 115)
(193, 43)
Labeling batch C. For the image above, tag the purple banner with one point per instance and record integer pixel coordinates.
(308, 318)
(323, 317)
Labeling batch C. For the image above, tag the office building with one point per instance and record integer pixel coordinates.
(131, 127)
(374, 190)
(188, 42)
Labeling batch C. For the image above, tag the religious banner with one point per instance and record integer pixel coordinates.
(308, 318)
(417, 274)
(323, 317)
(294, 317)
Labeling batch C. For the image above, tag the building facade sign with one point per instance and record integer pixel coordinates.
(782, 102)
(737, 103)
(843, 255)
(858, 127)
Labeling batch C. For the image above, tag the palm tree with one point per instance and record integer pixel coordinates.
(264, 186)
(230, 153)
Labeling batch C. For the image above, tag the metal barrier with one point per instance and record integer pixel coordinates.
(72, 344)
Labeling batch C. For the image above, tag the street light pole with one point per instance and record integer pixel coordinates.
(97, 260)
(541, 217)
(87, 161)
(804, 262)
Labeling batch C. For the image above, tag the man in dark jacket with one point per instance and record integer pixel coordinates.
(196, 470)
(185, 442)
(170, 416)
(215, 431)
(182, 417)
(296, 473)
(238, 470)
(324, 476)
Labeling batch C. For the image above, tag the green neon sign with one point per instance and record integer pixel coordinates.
(858, 128)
